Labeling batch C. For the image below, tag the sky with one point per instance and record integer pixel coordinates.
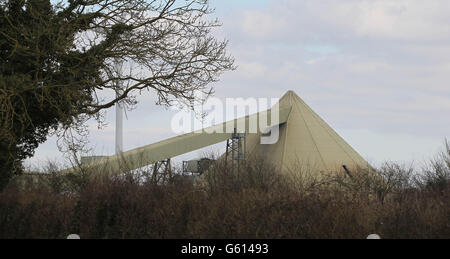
(377, 71)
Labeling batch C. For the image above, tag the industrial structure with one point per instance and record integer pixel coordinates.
(304, 139)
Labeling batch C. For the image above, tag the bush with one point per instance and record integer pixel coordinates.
(255, 202)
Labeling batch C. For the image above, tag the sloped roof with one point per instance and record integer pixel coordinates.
(172, 147)
(305, 140)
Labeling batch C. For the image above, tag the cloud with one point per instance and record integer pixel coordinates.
(421, 21)
(261, 25)
(378, 66)
(378, 69)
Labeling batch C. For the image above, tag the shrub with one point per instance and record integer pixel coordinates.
(255, 202)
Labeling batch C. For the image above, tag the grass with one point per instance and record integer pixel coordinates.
(257, 202)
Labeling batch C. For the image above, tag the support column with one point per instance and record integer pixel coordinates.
(237, 146)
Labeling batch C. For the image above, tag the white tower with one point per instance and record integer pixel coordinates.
(119, 128)
(119, 109)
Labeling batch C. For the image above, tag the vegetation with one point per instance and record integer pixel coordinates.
(257, 202)
(63, 64)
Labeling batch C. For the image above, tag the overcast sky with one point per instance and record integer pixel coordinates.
(377, 71)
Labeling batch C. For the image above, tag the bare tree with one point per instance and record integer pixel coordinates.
(58, 60)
